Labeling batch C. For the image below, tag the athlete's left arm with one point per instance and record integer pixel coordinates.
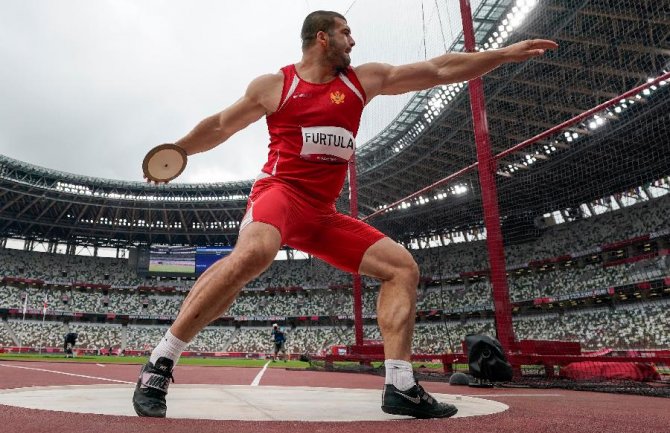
(384, 79)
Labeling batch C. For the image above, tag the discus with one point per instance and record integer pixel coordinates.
(163, 163)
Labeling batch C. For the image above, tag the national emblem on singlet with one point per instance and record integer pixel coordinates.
(337, 97)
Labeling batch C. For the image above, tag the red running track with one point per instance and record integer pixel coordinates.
(555, 411)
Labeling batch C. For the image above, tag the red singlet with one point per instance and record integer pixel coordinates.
(312, 133)
(312, 139)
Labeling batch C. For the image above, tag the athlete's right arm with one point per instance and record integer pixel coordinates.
(261, 98)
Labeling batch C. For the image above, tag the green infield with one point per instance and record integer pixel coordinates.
(212, 362)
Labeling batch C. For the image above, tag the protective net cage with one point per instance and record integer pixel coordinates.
(545, 222)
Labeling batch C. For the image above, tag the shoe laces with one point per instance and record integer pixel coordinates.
(167, 375)
(164, 373)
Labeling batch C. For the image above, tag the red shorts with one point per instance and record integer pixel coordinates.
(310, 226)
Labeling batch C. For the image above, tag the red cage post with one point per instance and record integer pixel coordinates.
(487, 170)
(357, 290)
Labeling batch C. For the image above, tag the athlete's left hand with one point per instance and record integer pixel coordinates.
(525, 50)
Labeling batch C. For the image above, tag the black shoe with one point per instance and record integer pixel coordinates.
(151, 388)
(414, 402)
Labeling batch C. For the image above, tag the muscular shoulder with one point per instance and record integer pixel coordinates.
(267, 82)
(264, 84)
(372, 77)
(266, 90)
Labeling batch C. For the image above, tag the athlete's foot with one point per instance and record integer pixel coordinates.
(151, 388)
(414, 402)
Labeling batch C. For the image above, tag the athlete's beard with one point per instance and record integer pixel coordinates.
(338, 57)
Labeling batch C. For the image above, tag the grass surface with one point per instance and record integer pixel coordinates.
(213, 362)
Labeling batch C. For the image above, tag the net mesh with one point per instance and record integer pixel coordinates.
(581, 171)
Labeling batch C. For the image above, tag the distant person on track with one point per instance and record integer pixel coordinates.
(279, 339)
(69, 342)
(313, 110)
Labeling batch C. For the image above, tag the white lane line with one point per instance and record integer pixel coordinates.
(257, 379)
(100, 365)
(66, 374)
(514, 395)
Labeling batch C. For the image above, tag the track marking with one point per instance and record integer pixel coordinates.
(514, 395)
(66, 374)
(100, 365)
(257, 379)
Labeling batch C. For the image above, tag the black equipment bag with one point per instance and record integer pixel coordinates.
(486, 358)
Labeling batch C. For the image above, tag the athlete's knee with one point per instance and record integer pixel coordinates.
(407, 272)
(257, 256)
(258, 249)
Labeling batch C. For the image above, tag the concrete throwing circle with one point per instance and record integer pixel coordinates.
(233, 402)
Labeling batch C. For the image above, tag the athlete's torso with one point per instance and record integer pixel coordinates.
(312, 133)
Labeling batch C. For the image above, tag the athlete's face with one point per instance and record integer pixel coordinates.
(339, 45)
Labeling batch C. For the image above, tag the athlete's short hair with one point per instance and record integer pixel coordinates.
(315, 22)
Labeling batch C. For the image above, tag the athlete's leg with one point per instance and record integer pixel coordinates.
(396, 310)
(396, 305)
(217, 287)
(354, 246)
(211, 296)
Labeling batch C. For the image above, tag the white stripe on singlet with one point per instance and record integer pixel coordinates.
(294, 85)
(274, 167)
(353, 88)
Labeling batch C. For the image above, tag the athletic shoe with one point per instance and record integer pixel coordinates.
(151, 388)
(414, 402)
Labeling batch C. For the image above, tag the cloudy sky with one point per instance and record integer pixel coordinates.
(88, 86)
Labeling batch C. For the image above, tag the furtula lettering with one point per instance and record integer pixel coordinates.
(329, 140)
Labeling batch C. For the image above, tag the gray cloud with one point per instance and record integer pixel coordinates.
(87, 87)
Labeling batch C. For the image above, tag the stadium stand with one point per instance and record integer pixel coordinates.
(36, 334)
(306, 288)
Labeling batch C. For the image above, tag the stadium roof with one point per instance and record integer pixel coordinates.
(606, 48)
(46, 204)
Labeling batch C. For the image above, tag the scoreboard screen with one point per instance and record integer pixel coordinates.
(187, 261)
(207, 256)
(172, 260)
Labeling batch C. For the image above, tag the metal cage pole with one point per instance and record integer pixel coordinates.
(487, 170)
(356, 278)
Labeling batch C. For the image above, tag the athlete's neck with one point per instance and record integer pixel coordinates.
(314, 71)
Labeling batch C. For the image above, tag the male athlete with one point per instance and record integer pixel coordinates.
(313, 110)
(279, 339)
